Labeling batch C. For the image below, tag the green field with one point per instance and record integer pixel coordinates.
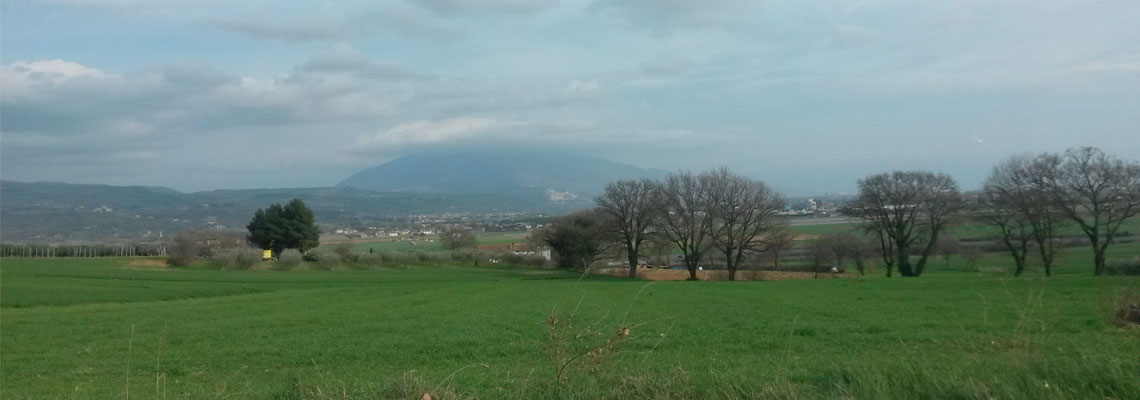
(110, 328)
(429, 244)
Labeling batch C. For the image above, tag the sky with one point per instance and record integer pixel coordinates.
(808, 96)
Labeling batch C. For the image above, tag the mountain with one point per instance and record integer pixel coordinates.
(59, 212)
(474, 183)
(555, 177)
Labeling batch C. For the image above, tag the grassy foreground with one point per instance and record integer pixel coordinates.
(114, 328)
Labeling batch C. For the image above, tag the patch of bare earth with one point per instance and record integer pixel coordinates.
(147, 263)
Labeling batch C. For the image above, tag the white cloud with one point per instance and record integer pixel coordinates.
(430, 132)
(578, 89)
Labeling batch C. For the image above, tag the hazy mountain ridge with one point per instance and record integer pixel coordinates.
(558, 177)
(477, 183)
(52, 212)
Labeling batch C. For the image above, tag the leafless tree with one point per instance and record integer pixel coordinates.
(844, 246)
(1093, 189)
(745, 211)
(947, 247)
(454, 237)
(778, 242)
(818, 255)
(906, 211)
(1016, 201)
(687, 216)
(1014, 231)
(660, 248)
(632, 206)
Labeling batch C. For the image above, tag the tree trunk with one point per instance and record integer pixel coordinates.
(632, 264)
(732, 273)
(904, 263)
(1098, 257)
(692, 272)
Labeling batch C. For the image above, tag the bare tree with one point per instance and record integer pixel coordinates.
(1014, 231)
(947, 247)
(745, 210)
(1015, 200)
(687, 216)
(1095, 190)
(632, 206)
(818, 254)
(844, 246)
(455, 237)
(778, 242)
(660, 248)
(906, 211)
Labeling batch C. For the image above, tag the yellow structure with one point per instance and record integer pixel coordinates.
(267, 255)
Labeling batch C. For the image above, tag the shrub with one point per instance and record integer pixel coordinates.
(428, 258)
(346, 253)
(235, 258)
(289, 259)
(1124, 307)
(367, 260)
(521, 259)
(397, 258)
(185, 251)
(324, 258)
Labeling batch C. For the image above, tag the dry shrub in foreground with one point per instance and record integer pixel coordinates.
(1126, 308)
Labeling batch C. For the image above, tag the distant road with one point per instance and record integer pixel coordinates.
(822, 221)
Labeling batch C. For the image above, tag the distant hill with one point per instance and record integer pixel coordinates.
(57, 212)
(555, 177)
(477, 183)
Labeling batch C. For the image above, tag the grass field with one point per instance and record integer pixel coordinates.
(120, 328)
(430, 245)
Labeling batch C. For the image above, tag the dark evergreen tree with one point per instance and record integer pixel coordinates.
(279, 227)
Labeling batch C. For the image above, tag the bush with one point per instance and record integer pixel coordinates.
(521, 259)
(184, 252)
(346, 253)
(1123, 267)
(399, 258)
(428, 258)
(235, 258)
(289, 259)
(367, 260)
(324, 258)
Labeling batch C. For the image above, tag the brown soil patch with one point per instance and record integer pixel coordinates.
(653, 274)
(1128, 314)
(147, 263)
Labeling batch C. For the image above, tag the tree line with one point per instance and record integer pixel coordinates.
(1027, 198)
(697, 213)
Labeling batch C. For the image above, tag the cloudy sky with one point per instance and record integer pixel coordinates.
(808, 95)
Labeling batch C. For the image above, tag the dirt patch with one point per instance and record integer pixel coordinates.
(653, 274)
(1129, 314)
(147, 263)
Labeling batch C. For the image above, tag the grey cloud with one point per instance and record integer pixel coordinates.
(484, 7)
